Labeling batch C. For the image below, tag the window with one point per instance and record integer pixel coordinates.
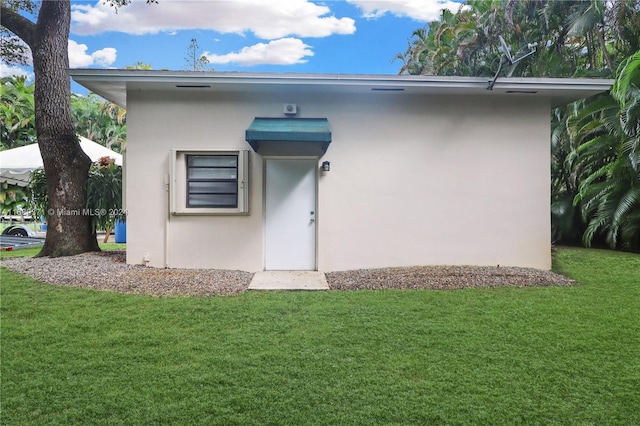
(209, 182)
(212, 181)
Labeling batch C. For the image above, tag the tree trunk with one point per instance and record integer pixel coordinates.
(107, 234)
(66, 166)
(603, 47)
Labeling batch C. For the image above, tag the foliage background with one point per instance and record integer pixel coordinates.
(94, 118)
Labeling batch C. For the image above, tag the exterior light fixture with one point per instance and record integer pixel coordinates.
(326, 166)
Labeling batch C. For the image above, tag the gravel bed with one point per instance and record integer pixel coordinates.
(108, 271)
(444, 278)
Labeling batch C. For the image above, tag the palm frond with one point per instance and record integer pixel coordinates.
(626, 203)
(628, 77)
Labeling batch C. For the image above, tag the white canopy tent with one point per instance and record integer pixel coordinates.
(17, 164)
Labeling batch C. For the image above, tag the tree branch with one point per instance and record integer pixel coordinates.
(17, 24)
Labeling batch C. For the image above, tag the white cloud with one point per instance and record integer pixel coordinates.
(285, 51)
(270, 20)
(420, 10)
(105, 57)
(7, 70)
(78, 56)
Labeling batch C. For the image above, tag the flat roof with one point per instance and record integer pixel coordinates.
(112, 84)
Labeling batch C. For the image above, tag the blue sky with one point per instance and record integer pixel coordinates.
(347, 36)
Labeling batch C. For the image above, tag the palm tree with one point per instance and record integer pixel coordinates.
(415, 59)
(567, 224)
(610, 194)
(623, 18)
(587, 19)
(447, 47)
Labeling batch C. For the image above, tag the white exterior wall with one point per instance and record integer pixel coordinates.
(438, 181)
(157, 123)
(413, 180)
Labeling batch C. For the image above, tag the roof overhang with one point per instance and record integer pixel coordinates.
(289, 136)
(113, 84)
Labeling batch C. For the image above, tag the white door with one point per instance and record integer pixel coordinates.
(290, 214)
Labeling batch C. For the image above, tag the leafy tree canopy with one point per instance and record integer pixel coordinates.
(17, 117)
(574, 38)
(94, 118)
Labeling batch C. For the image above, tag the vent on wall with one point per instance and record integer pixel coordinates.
(290, 109)
(387, 89)
(523, 92)
(192, 86)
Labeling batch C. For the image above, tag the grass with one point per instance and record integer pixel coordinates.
(564, 355)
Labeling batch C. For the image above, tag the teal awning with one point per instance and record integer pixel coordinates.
(289, 136)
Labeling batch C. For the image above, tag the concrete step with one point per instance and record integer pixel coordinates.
(289, 280)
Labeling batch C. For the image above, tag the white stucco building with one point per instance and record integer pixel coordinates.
(225, 170)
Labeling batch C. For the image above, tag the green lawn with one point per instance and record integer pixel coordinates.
(565, 355)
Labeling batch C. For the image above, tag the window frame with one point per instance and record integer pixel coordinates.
(179, 183)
